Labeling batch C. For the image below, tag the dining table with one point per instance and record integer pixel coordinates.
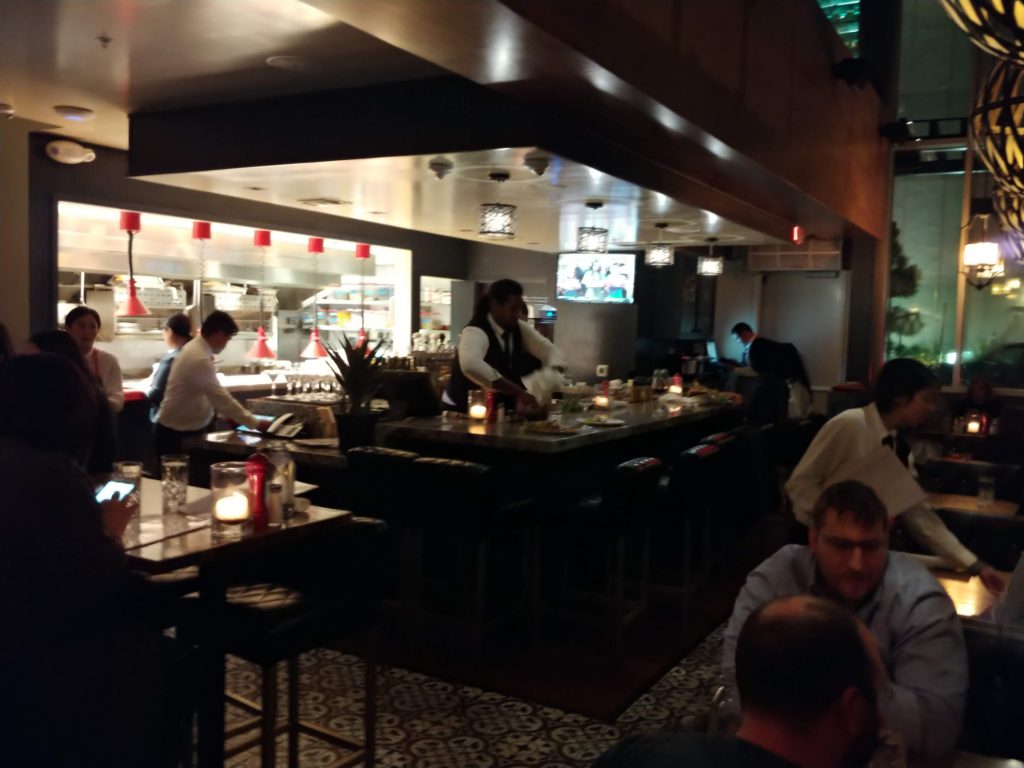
(157, 544)
(962, 503)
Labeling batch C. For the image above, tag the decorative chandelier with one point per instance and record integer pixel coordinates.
(710, 265)
(997, 124)
(592, 239)
(660, 254)
(1008, 207)
(497, 220)
(995, 26)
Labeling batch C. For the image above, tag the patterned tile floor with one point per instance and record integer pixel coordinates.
(425, 722)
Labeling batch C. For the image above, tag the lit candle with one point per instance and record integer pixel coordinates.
(675, 389)
(478, 412)
(601, 401)
(973, 427)
(232, 509)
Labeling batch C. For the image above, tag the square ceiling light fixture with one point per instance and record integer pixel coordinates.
(660, 254)
(710, 265)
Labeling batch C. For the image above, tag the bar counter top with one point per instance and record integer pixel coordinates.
(639, 418)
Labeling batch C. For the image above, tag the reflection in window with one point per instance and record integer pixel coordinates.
(845, 16)
(994, 330)
(921, 316)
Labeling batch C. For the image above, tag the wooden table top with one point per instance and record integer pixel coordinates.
(157, 543)
(962, 760)
(960, 503)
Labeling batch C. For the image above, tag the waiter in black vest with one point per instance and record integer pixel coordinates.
(496, 349)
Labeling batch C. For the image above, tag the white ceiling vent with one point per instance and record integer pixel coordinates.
(813, 255)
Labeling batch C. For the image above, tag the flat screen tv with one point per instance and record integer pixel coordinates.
(605, 278)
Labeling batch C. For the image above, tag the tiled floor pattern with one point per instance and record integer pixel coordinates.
(428, 723)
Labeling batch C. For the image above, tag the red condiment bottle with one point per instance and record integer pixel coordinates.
(260, 471)
(492, 407)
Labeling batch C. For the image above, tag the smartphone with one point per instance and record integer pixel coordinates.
(119, 487)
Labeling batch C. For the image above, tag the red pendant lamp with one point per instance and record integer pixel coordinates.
(363, 254)
(201, 232)
(315, 348)
(131, 222)
(261, 349)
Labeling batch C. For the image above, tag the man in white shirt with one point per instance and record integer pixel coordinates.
(194, 395)
(496, 349)
(905, 395)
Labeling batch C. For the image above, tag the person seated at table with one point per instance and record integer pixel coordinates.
(194, 394)
(82, 675)
(905, 396)
(83, 323)
(809, 676)
(910, 616)
(177, 333)
(99, 458)
(979, 398)
(495, 348)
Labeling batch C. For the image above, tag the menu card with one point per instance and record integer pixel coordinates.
(882, 471)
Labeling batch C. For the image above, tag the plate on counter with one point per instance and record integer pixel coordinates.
(602, 421)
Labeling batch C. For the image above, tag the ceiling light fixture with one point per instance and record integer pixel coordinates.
(536, 161)
(261, 349)
(74, 114)
(131, 222)
(660, 254)
(710, 265)
(440, 166)
(995, 26)
(290, 63)
(997, 123)
(592, 239)
(497, 220)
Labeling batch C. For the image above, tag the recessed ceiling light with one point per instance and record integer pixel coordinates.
(75, 114)
(290, 63)
(257, 189)
(378, 213)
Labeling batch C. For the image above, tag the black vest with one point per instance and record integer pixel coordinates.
(510, 366)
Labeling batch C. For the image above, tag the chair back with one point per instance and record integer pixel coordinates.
(998, 541)
(995, 708)
(696, 504)
(382, 480)
(948, 476)
(453, 492)
(630, 497)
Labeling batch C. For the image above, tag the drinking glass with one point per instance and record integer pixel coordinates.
(986, 492)
(174, 483)
(130, 472)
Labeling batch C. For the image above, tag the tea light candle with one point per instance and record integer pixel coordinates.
(478, 412)
(601, 401)
(232, 509)
(973, 427)
(675, 389)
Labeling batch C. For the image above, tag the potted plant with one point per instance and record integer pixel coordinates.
(358, 370)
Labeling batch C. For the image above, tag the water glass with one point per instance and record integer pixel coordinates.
(130, 472)
(986, 492)
(174, 483)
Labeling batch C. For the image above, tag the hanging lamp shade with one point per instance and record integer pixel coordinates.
(995, 26)
(660, 255)
(997, 125)
(1009, 209)
(261, 238)
(315, 347)
(315, 245)
(497, 221)
(362, 251)
(201, 230)
(261, 349)
(131, 222)
(592, 240)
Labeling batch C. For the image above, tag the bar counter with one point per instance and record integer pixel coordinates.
(639, 418)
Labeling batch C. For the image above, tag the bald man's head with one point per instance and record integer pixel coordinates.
(796, 657)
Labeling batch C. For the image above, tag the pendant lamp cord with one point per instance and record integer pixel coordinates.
(202, 277)
(263, 278)
(131, 266)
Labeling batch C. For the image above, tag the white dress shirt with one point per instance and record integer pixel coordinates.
(104, 366)
(194, 393)
(473, 345)
(850, 436)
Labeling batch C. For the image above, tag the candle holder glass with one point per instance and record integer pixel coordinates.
(477, 404)
(231, 514)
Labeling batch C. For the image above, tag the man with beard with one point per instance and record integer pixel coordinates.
(912, 619)
(809, 675)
